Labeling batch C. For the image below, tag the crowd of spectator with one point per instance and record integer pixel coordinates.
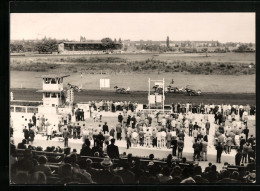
(30, 167)
(146, 129)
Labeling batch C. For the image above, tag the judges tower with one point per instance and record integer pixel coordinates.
(52, 90)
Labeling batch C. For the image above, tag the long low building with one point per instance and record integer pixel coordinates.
(83, 46)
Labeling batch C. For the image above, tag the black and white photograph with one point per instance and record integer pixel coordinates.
(132, 98)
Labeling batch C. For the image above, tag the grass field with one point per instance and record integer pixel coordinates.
(219, 72)
(198, 57)
(215, 63)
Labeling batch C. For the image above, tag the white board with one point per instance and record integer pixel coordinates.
(151, 99)
(104, 83)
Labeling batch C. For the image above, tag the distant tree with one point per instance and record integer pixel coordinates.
(115, 40)
(242, 48)
(47, 46)
(107, 43)
(120, 41)
(168, 42)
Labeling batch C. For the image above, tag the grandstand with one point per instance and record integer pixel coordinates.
(66, 47)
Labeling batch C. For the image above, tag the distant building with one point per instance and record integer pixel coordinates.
(81, 46)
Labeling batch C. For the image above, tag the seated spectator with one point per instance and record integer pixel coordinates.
(235, 175)
(37, 178)
(27, 163)
(226, 178)
(106, 175)
(42, 166)
(94, 172)
(189, 180)
(175, 180)
(66, 176)
(127, 175)
(117, 180)
(165, 176)
(21, 178)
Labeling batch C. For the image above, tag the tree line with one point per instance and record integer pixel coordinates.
(49, 45)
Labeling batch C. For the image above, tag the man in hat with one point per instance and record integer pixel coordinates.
(112, 150)
(107, 174)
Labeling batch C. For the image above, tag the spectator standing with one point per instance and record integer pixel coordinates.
(204, 150)
(219, 149)
(34, 119)
(86, 150)
(245, 152)
(229, 144)
(246, 131)
(120, 118)
(148, 138)
(141, 137)
(49, 130)
(105, 128)
(26, 134)
(196, 148)
(190, 128)
(168, 139)
(66, 137)
(119, 131)
(163, 138)
(238, 157)
(180, 144)
(112, 150)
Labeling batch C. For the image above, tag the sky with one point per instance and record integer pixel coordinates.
(224, 27)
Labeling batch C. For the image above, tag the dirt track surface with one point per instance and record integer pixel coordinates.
(142, 97)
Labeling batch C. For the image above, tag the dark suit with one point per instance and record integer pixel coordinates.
(34, 120)
(112, 151)
(120, 118)
(86, 151)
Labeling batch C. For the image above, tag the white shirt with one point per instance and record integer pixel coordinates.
(173, 133)
(163, 134)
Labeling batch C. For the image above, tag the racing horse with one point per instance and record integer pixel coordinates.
(158, 89)
(75, 88)
(192, 92)
(122, 90)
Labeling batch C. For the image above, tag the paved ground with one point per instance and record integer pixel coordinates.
(111, 118)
